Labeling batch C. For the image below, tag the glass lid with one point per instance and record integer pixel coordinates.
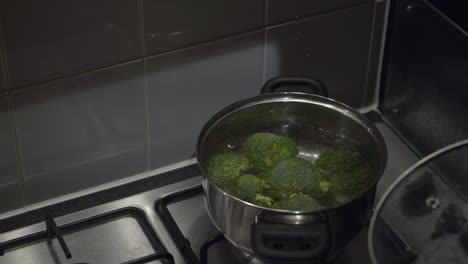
(423, 216)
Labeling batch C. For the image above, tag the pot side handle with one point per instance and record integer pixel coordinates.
(289, 242)
(295, 84)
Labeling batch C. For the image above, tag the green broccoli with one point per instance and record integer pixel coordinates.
(338, 161)
(351, 182)
(266, 149)
(224, 169)
(263, 200)
(298, 202)
(296, 175)
(248, 186)
(311, 188)
(347, 173)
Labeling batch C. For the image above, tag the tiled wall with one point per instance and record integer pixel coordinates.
(93, 91)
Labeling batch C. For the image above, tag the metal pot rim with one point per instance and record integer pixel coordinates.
(292, 97)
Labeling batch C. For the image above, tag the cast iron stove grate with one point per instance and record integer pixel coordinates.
(182, 243)
(52, 230)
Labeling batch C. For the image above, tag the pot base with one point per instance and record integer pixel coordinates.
(247, 257)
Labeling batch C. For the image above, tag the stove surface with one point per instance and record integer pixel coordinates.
(119, 236)
(172, 225)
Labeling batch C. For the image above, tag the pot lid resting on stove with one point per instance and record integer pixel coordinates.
(423, 217)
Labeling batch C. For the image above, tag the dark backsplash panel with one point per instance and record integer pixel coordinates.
(425, 81)
(456, 10)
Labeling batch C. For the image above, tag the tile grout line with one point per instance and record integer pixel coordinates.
(381, 54)
(148, 140)
(369, 56)
(145, 83)
(238, 34)
(265, 38)
(93, 70)
(178, 49)
(3, 57)
(23, 87)
(205, 43)
(19, 156)
(320, 14)
(265, 59)
(13, 130)
(141, 29)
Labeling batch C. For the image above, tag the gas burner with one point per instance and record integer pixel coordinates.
(247, 258)
(241, 256)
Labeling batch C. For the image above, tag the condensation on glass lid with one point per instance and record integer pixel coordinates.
(423, 216)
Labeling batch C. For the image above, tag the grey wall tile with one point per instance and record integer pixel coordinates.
(187, 87)
(52, 38)
(332, 48)
(10, 184)
(2, 71)
(174, 24)
(2, 76)
(3, 84)
(283, 11)
(375, 49)
(82, 131)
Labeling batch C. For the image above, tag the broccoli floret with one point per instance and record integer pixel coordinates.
(298, 202)
(296, 175)
(248, 186)
(317, 187)
(338, 161)
(353, 181)
(224, 169)
(266, 149)
(346, 171)
(263, 200)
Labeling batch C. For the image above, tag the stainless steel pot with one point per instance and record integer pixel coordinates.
(317, 123)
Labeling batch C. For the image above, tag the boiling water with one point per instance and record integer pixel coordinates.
(311, 141)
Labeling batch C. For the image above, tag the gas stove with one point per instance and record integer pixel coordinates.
(157, 219)
(174, 228)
